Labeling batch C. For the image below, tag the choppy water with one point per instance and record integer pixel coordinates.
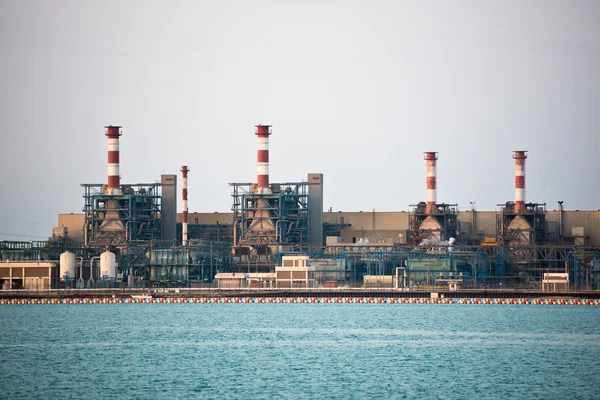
(292, 351)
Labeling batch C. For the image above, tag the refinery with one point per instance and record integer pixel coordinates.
(278, 236)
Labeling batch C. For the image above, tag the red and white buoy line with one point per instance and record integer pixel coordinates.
(319, 300)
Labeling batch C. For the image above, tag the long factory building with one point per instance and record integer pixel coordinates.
(136, 235)
(475, 227)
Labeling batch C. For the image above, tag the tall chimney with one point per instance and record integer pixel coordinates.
(184, 205)
(520, 157)
(114, 179)
(262, 165)
(431, 158)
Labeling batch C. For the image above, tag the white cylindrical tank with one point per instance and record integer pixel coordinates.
(108, 265)
(67, 265)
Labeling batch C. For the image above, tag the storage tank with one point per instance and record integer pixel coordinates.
(108, 265)
(67, 265)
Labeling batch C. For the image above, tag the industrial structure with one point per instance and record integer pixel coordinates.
(431, 221)
(184, 205)
(521, 222)
(116, 214)
(277, 236)
(272, 217)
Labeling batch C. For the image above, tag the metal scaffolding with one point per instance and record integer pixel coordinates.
(160, 262)
(268, 222)
(535, 216)
(584, 269)
(445, 215)
(471, 268)
(210, 232)
(114, 220)
(42, 250)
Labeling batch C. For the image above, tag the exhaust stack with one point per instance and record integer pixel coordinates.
(112, 218)
(262, 165)
(184, 205)
(262, 224)
(114, 178)
(520, 157)
(431, 158)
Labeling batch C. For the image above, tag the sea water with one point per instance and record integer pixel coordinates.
(298, 351)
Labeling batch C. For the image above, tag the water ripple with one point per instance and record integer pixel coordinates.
(299, 352)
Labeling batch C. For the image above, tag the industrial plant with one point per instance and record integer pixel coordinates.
(277, 235)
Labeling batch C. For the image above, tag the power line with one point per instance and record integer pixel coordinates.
(26, 222)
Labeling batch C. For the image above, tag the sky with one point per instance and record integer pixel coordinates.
(356, 90)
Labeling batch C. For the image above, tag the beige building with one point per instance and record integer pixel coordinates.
(581, 227)
(578, 227)
(379, 281)
(242, 280)
(295, 272)
(555, 281)
(27, 275)
(69, 225)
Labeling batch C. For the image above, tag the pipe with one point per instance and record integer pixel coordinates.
(114, 178)
(85, 231)
(262, 164)
(431, 158)
(127, 235)
(141, 228)
(130, 279)
(277, 231)
(520, 157)
(560, 219)
(92, 280)
(398, 269)
(184, 205)
(292, 224)
(80, 270)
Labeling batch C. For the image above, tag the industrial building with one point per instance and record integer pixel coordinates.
(132, 235)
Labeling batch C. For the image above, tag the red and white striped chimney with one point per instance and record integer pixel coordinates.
(262, 165)
(114, 178)
(184, 205)
(520, 157)
(431, 158)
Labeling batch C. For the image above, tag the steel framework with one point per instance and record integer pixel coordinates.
(159, 261)
(444, 214)
(584, 269)
(534, 214)
(209, 232)
(286, 206)
(380, 262)
(42, 250)
(137, 211)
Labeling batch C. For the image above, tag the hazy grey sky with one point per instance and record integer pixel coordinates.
(357, 90)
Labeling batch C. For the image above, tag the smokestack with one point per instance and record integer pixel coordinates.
(262, 165)
(114, 179)
(112, 219)
(520, 157)
(184, 205)
(431, 158)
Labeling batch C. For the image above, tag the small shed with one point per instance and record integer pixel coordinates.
(555, 281)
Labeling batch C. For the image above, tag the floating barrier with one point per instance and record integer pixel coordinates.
(302, 300)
